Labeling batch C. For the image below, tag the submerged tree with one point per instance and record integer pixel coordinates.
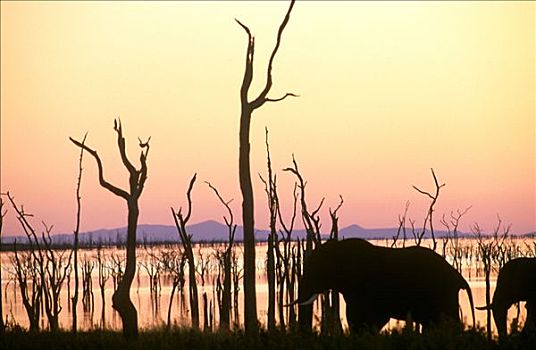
(270, 187)
(311, 221)
(173, 263)
(428, 219)
(46, 268)
(225, 262)
(54, 271)
(247, 108)
(121, 297)
(104, 275)
(26, 272)
(2, 214)
(331, 318)
(180, 222)
(74, 300)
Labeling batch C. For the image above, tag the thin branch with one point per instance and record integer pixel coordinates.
(122, 146)
(423, 192)
(115, 190)
(189, 197)
(281, 98)
(248, 73)
(261, 99)
(226, 204)
(313, 214)
(334, 212)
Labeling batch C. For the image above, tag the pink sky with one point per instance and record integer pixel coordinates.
(386, 93)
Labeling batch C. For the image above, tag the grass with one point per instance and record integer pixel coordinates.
(186, 338)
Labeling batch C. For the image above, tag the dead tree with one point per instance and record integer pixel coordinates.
(173, 263)
(202, 268)
(270, 188)
(2, 214)
(48, 269)
(226, 261)
(54, 270)
(331, 320)
(238, 274)
(121, 297)
(452, 225)
(284, 263)
(26, 271)
(74, 300)
(117, 269)
(428, 219)
(186, 239)
(247, 108)
(401, 228)
(487, 248)
(152, 266)
(311, 221)
(88, 300)
(104, 275)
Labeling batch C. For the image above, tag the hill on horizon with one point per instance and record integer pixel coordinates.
(209, 231)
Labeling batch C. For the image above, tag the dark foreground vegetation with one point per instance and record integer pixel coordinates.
(188, 338)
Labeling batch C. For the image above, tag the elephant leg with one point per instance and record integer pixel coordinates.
(530, 322)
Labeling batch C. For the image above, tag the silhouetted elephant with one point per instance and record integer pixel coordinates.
(516, 282)
(379, 283)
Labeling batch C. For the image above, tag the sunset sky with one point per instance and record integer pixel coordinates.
(387, 90)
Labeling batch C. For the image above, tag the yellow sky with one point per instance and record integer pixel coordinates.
(387, 91)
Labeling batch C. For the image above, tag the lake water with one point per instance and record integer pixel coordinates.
(152, 308)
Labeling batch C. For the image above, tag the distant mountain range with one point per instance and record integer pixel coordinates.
(208, 231)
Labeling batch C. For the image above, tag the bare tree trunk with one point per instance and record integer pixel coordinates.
(2, 214)
(186, 239)
(26, 273)
(250, 301)
(286, 265)
(311, 222)
(53, 269)
(170, 304)
(271, 193)
(121, 297)
(226, 299)
(334, 319)
(247, 108)
(74, 300)
(29, 270)
(227, 255)
(104, 275)
(429, 215)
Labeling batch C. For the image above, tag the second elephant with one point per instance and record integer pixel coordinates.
(516, 282)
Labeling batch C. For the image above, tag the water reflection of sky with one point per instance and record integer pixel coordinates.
(152, 311)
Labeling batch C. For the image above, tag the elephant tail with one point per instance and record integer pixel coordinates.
(470, 296)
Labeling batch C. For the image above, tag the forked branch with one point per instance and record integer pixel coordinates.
(248, 74)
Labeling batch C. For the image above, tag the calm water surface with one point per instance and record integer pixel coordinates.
(152, 310)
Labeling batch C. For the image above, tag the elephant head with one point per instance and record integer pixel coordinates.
(328, 268)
